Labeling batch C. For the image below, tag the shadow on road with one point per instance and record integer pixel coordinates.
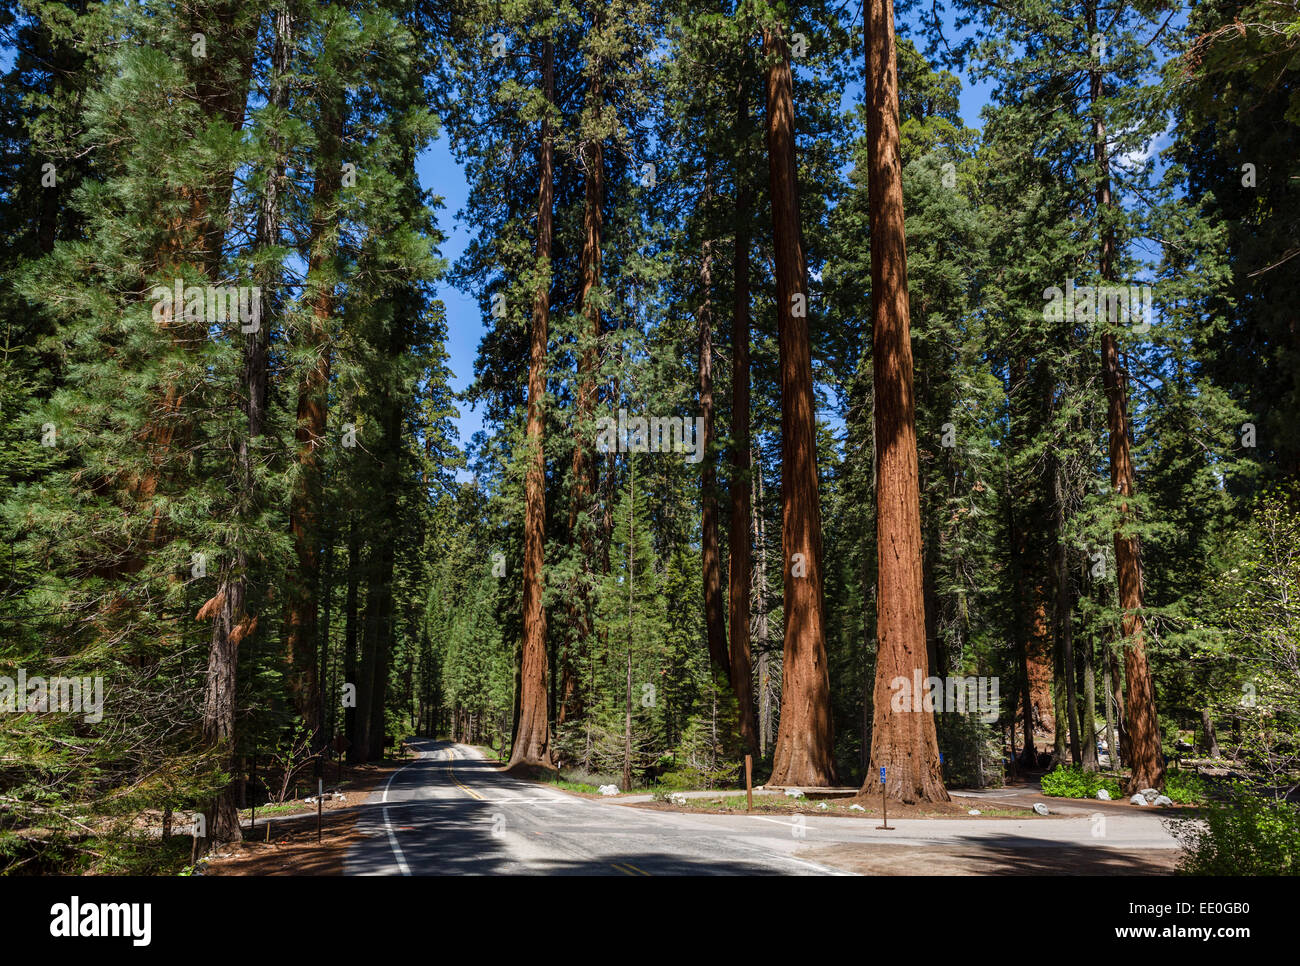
(1002, 855)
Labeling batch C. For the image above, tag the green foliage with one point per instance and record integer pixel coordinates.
(1250, 622)
(709, 754)
(1065, 781)
(1185, 787)
(1247, 834)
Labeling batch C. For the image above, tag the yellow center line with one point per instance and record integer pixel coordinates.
(451, 755)
(626, 866)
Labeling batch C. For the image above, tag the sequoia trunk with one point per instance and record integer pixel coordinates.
(902, 742)
(803, 754)
(532, 734)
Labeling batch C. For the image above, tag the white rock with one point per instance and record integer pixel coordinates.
(822, 805)
(677, 798)
(608, 789)
(856, 808)
(1137, 800)
(793, 793)
(1103, 795)
(1150, 794)
(1164, 800)
(974, 811)
(1041, 809)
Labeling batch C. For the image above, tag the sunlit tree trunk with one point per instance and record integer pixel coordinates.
(739, 573)
(803, 754)
(1143, 727)
(902, 742)
(532, 735)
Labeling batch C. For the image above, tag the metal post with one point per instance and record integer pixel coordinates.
(884, 802)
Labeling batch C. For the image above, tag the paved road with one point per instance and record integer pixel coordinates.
(450, 812)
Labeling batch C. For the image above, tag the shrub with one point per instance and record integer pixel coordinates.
(1244, 835)
(1185, 787)
(1068, 782)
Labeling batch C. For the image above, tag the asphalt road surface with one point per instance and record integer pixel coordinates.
(450, 812)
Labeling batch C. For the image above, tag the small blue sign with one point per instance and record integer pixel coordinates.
(882, 774)
(941, 757)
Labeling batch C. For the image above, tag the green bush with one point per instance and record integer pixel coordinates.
(1185, 787)
(1244, 835)
(1067, 782)
(686, 778)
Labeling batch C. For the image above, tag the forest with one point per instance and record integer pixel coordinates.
(969, 438)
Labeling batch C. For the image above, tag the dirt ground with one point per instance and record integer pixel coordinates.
(982, 859)
(839, 808)
(292, 847)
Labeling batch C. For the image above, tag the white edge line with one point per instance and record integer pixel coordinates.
(775, 821)
(397, 849)
(418, 756)
(388, 825)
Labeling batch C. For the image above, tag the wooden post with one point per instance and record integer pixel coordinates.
(749, 783)
(320, 798)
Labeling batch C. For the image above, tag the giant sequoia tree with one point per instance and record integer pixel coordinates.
(531, 743)
(804, 737)
(902, 742)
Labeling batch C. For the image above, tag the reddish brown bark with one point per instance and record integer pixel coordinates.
(532, 743)
(1040, 664)
(581, 525)
(739, 575)
(803, 754)
(715, 629)
(1142, 726)
(1141, 723)
(758, 530)
(1031, 638)
(902, 742)
(301, 629)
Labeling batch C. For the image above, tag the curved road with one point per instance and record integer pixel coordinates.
(451, 812)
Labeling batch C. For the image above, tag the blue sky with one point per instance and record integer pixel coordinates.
(440, 174)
